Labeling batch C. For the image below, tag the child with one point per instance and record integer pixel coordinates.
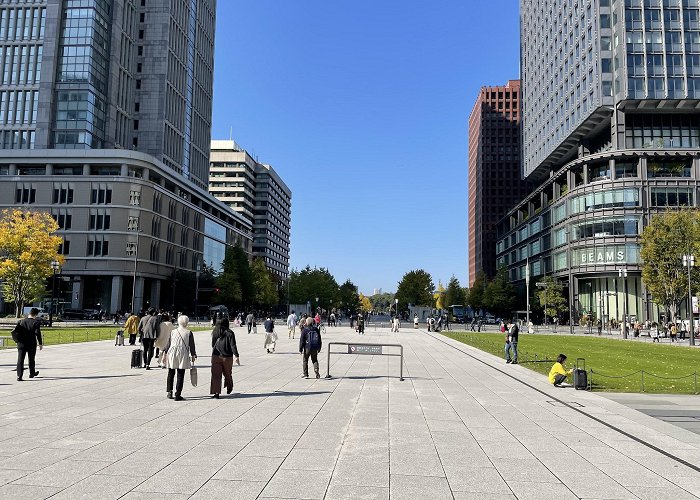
(558, 374)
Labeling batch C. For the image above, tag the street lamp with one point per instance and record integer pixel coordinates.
(396, 301)
(571, 285)
(55, 265)
(622, 273)
(196, 288)
(136, 263)
(689, 261)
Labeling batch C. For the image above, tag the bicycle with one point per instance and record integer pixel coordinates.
(322, 329)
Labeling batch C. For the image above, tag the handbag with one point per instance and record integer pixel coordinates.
(193, 376)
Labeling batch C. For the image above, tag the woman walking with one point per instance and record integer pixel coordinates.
(181, 354)
(164, 330)
(270, 335)
(223, 343)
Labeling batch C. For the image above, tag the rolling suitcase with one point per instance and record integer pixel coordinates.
(136, 358)
(119, 339)
(580, 376)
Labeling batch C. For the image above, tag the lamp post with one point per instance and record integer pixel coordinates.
(688, 262)
(55, 265)
(571, 285)
(178, 255)
(396, 302)
(196, 288)
(136, 263)
(622, 273)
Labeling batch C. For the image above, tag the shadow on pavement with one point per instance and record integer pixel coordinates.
(88, 377)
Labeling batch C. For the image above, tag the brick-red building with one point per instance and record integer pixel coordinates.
(495, 184)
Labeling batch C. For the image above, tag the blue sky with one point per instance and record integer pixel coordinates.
(362, 108)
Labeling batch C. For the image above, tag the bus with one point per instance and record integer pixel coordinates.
(457, 313)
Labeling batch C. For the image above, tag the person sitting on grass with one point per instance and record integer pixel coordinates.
(558, 374)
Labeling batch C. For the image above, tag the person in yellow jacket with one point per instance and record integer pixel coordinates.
(131, 328)
(558, 374)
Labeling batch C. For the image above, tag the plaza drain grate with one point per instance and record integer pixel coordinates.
(564, 405)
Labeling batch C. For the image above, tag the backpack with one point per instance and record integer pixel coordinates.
(313, 339)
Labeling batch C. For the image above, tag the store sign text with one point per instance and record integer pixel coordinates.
(602, 257)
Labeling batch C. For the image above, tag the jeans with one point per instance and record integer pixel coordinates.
(22, 351)
(314, 359)
(559, 379)
(180, 380)
(148, 345)
(511, 346)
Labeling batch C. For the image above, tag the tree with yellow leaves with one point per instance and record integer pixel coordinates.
(28, 244)
(365, 303)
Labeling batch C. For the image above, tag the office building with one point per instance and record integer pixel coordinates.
(494, 170)
(611, 132)
(257, 192)
(105, 118)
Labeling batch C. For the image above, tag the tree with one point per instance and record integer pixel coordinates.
(499, 295)
(365, 304)
(416, 287)
(348, 297)
(476, 293)
(264, 284)
(28, 245)
(382, 301)
(308, 284)
(551, 297)
(235, 282)
(664, 241)
(454, 294)
(438, 297)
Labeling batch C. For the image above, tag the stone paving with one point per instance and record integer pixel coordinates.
(462, 425)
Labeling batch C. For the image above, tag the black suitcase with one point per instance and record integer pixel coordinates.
(580, 376)
(136, 358)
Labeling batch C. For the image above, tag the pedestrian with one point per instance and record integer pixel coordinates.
(360, 324)
(332, 319)
(249, 320)
(415, 321)
(310, 344)
(556, 322)
(224, 350)
(149, 332)
(181, 354)
(558, 373)
(512, 344)
(600, 327)
(395, 324)
(674, 332)
(27, 335)
(270, 335)
(164, 328)
(131, 328)
(292, 324)
(447, 322)
(473, 324)
(317, 319)
(654, 332)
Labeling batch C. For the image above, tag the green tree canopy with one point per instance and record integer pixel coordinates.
(665, 240)
(264, 283)
(416, 288)
(348, 298)
(307, 284)
(551, 297)
(476, 293)
(499, 296)
(28, 245)
(235, 281)
(454, 293)
(382, 301)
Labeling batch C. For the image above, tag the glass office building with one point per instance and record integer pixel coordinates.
(611, 131)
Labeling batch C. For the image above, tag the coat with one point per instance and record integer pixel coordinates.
(164, 334)
(180, 349)
(131, 325)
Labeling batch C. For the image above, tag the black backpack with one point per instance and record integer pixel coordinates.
(313, 339)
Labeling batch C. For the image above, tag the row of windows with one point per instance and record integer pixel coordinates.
(18, 107)
(21, 65)
(22, 23)
(17, 139)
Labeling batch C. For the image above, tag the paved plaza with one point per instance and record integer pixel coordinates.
(462, 425)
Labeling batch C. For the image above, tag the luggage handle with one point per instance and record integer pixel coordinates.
(584, 363)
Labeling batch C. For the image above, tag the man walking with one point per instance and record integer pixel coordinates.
(27, 334)
(249, 320)
(512, 344)
(292, 324)
(149, 334)
(309, 345)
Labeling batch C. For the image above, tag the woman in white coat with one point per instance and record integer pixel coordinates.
(164, 330)
(181, 354)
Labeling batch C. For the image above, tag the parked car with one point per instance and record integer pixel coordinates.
(74, 314)
(91, 313)
(490, 319)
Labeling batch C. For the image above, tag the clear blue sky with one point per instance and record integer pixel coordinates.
(362, 107)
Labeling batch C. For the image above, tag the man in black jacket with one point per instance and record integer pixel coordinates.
(512, 344)
(309, 345)
(27, 334)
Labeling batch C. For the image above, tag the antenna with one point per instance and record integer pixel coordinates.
(230, 133)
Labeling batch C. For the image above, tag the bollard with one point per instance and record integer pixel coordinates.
(642, 380)
(695, 381)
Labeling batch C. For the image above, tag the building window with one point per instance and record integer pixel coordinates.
(672, 197)
(63, 219)
(669, 168)
(132, 224)
(135, 198)
(171, 233)
(155, 227)
(25, 194)
(157, 202)
(64, 248)
(62, 195)
(131, 249)
(155, 251)
(99, 219)
(101, 196)
(98, 248)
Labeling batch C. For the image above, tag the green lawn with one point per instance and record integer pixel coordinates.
(69, 335)
(616, 364)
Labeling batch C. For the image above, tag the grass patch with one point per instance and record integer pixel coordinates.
(75, 334)
(617, 365)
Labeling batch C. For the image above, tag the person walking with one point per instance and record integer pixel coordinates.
(164, 328)
(249, 320)
(149, 333)
(395, 324)
(415, 321)
(512, 344)
(27, 335)
(360, 324)
(292, 324)
(131, 328)
(224, 350)
(181, 354)
(310, 344)
(270, 335)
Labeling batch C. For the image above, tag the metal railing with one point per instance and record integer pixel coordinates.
(363, 349)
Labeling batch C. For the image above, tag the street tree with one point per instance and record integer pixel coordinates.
(551, 297)
(416, 287)
(28, 245)
(308, 284)
(454, 293)
(382, 301)
(235, 282)
(365, 304)
(499, 296)
(664, 241)
(476, 293)
(348, 298)
(439, 296)
(264, 284)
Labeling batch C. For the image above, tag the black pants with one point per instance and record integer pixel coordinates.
(314, 359)
(132, 339)
(22, 351)
(559, 379)
(180, 380)
(250, 327)
(148, 350)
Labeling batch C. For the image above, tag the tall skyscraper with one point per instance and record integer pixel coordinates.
(105, 117)
(259, 194)
(494, 170)
(611, 132)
